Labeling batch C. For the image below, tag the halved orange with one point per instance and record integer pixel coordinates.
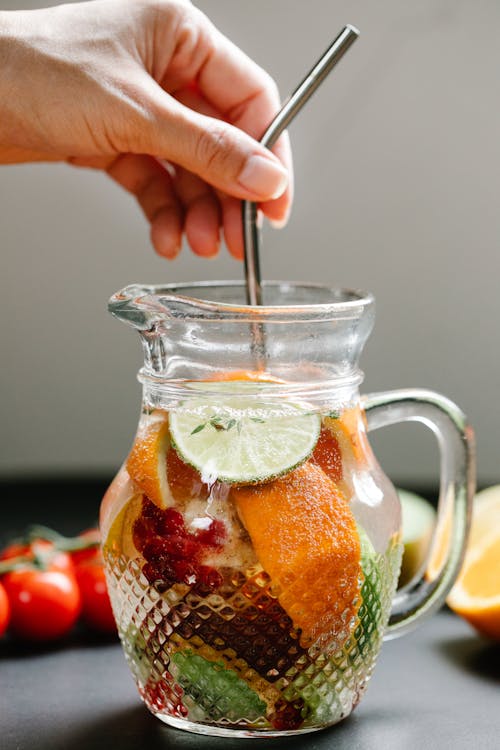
(305, 538)
(147, 464)
(476, 593)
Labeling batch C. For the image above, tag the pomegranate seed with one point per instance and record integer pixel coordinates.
(173, 522)
(152, 513)
(181, 548)
(140, 533)
(184, 571)
(288, 715)
(214, 536)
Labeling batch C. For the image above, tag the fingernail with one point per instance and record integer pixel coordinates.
(264, 177)
(278, 223)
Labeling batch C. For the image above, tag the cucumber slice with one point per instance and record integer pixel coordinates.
(229, 440)
(219, 691)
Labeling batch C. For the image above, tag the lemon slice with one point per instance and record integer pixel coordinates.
(230, 439)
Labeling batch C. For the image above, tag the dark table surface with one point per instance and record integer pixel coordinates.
(437, 687)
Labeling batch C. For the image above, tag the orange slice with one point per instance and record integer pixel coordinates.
(440, 544)
(305, 538)
(184, 481)
(327, 455)
(147, 464)
(255, 376)
(151, 463)
(476, 593)
(349, 429)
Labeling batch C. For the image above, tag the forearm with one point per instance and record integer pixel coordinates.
(9, 90)
(108, 84)
(14, 72)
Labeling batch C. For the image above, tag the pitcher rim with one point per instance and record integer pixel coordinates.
(155, 298)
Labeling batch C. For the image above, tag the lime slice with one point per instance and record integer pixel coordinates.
(419, 519)
(236, 441)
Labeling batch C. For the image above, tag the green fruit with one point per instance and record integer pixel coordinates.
(219, 691)
(419, 518)
(229, 438)
(370, 611)
(319, 685)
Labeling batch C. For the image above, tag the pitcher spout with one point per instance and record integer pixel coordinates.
(308, 332)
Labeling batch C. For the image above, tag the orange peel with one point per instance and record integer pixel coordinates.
(305, 537)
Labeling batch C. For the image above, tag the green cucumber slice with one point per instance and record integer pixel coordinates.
(219, 691)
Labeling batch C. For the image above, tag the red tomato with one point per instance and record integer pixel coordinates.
(56, 560)
(91, 537)
(4, 610)
(44, 604)
(96, 606)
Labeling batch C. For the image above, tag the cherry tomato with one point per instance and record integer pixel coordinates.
(4, 610)
(44, 604)
(96, 606)
(55, 559)
(91, 537)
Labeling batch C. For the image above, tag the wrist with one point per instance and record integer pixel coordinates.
(17, 73)
(10, 43)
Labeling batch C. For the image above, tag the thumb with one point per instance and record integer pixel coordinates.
(219, 153)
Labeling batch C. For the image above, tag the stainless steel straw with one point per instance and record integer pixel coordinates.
(251, 234)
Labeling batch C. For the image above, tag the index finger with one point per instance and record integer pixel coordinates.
(247, 97)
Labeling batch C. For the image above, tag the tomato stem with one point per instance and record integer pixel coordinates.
(62, 543)
(13, 563)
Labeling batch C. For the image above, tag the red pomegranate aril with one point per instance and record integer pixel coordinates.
(151, 572)
(288, 715)
(154, 549)
(214, 536)
(152, 513)
(141, 533)
(181, 548)
(173, 522)
(162, 697)
(184, 571)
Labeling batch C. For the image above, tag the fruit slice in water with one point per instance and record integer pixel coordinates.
(224, 441)
(327, 455)
(476, 593)
(419, 519)
(256, 376)
(305, 538)
(370, 613)
(146, 463)
(219, 691)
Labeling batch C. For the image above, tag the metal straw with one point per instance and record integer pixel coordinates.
(251, 234)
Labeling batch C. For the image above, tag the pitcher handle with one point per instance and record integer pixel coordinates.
(457, 486)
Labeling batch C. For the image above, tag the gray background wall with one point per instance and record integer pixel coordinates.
(397, 190)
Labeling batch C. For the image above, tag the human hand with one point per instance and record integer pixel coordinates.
(153, 94)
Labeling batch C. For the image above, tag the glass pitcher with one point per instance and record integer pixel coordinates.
(252, 541)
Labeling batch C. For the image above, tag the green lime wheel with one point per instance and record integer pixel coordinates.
(238, 441)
